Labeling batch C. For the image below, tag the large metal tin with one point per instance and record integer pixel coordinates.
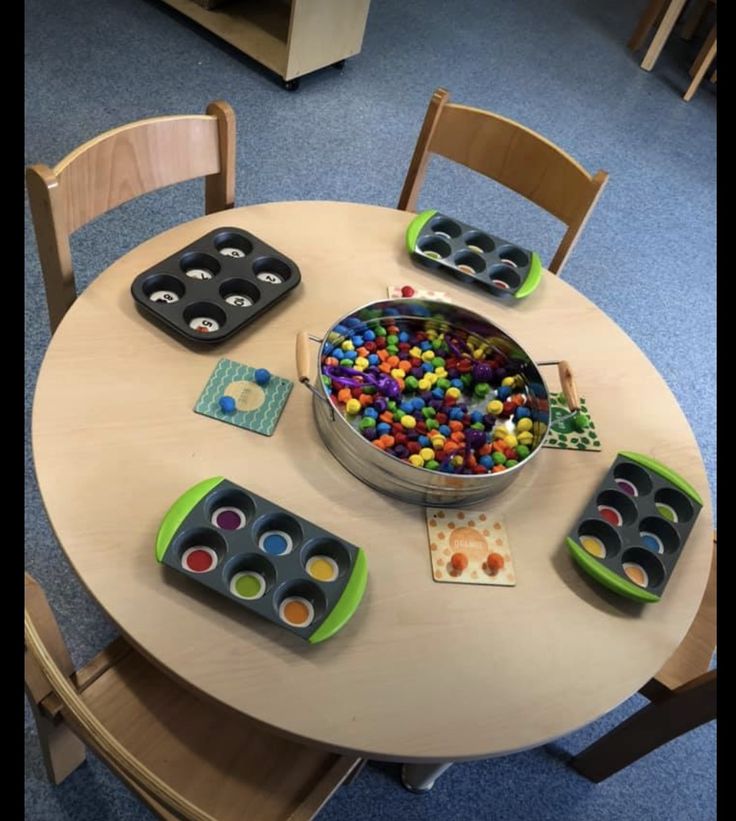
(389, 474)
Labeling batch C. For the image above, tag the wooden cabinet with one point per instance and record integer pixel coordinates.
(291, 38)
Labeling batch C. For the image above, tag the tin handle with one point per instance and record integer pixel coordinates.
(303, 338)
(569, 388)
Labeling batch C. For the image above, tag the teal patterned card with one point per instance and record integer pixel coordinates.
(257, 408)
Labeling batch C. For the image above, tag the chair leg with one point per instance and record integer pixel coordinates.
(62, 751)
(705, 57)
(662, 34)
(688, 707)
(694, 19)
(646, 21)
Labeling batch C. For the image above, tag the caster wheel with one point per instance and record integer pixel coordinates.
(339, 65)
(291, 85)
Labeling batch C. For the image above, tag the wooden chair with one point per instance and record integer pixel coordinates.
(116, 167)
(512, 155)
(184, 757)
(682, 696)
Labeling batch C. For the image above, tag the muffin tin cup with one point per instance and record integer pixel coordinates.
(616, 508)
(673, 505)
(325, 560)
(230, 510)
(230, 553)
(231, 244)
(447, 245)
(658, 535)
(202, 267)
(435, 248)
(215, 287)
(632, 479)
(599, 539)
(250, 577)
(633, 530)
(199, 550)
(299, 604)
(445, 227)
(163, 289)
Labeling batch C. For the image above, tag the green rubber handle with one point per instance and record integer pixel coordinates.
(533, 278)
(347, 604)
(415, 228)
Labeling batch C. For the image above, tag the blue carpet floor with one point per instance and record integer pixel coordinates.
(647, 257)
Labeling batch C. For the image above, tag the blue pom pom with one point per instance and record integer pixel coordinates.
(227, 404)
(262, 376)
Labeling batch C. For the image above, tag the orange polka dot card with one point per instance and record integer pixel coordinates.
(469, 547)
(398, 291)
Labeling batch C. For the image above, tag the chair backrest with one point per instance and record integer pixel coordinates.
(511, 154)
(117, 166)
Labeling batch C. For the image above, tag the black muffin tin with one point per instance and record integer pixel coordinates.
(446, 245)
(220, 284)
(647, 530)
(194, 527)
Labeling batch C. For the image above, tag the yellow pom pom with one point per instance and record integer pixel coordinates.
(353, 406)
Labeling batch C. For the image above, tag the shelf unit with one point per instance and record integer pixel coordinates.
(291, 38)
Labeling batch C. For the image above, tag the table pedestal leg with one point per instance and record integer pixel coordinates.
(421, 777)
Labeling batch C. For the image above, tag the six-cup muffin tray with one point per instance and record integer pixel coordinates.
(448, 246)
(634, 528)
(216, 286)
(264, 558)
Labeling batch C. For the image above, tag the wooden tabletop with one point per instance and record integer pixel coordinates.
(423, 671)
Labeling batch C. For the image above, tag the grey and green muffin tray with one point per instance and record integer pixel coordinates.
(448, 246)
(264, 558)
(634, 528)
(215, 286)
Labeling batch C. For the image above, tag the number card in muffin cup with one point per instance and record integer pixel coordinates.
(469, 547)
(249, 398)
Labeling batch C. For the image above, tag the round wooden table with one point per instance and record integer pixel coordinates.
(424, 672)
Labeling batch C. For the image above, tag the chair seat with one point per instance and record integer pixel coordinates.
(222, 762)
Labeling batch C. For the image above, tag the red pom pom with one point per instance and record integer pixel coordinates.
(407, 290)
(459, 561)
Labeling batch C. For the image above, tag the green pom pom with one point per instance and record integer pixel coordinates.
(581, 421)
